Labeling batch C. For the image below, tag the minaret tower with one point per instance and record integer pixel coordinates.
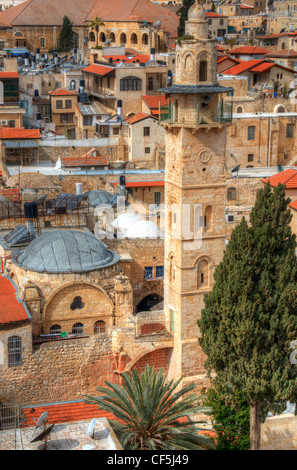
(195, 177)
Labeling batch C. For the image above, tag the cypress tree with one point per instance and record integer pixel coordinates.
(66, 38)
(250, 317)
(184, 16)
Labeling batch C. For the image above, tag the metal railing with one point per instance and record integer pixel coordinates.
(202, 115)
(9, 416)
(152, 326)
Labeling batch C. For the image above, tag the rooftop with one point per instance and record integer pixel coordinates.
(249, 50)
(12, 309)
(287, 177)
(19, 133)
(63, 92)
(139, 117)
(66, 251)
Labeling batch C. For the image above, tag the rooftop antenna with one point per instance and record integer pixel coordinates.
(107, 42)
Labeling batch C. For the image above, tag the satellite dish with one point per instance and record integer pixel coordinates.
(43, 435)
(157, 24)
(91, 427)
(107, 42)
(235, 169)
(42, 419)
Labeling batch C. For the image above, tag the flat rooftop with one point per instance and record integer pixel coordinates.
(65, 436)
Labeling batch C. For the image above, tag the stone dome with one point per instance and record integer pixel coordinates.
(144, 229)
(196, 12)
(98, 196)
(66, 251)
(124, 221)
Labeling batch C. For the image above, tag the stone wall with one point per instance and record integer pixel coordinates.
(279, 433)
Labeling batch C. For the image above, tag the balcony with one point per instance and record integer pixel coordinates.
(152, 326)
(200, 116)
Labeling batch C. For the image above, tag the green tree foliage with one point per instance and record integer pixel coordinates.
(230, 418)
(152, 412)
(250, 317)
(66, 38)
(184, 16)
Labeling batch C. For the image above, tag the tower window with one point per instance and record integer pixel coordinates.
(203, 277)
(203, 71)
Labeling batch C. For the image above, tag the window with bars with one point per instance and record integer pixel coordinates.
(14, 351)
(78, 329)
(290, 131)
(231, 194)
(68, 104)
(55, 330)
(66, 118)
(59, 104)
(159, 271)
(99, 327)
(130, 84)
(146, 131)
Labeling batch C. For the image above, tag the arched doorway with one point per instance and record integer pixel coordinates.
(149, 302)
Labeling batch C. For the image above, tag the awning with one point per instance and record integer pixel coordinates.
(20, 144)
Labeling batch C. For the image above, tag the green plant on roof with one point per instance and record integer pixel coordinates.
(151, 414)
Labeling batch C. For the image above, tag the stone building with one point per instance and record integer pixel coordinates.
(196, 138)
(145, 138)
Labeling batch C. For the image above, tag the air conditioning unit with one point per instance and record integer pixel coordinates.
(4, 123)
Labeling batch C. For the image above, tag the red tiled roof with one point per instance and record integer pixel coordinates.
(283, 53)
(263, 67)
(19, 133)
(211, 14)
(9, 75)
(86, 160)
(220, 48)
(64, 412)
(250, 50)
(62, 92)
(293, 205)
(142, 184)
(153, 100)
(287, 177)
(244, 66)
(11, 309)
(138, 117)
(13, 194)
(98, 69)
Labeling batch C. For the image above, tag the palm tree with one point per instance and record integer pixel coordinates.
(95, 24)
(151, 414)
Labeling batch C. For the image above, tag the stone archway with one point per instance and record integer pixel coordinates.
(149, 301)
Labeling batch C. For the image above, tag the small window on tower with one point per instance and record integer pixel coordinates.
(203, 71)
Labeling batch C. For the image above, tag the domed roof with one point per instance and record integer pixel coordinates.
(144, 229)
(196, 12)
(124, 221)
(66, 251)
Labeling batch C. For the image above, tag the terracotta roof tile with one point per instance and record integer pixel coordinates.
(250, 50)
(62, 92)
(138, 117)
(153, 100)
(11, 309)
(98, 69)
(13, 194)
(64, 412)
(9, 74)
(89, 159)
(211, 14)
(142, 184)
(19, 133)
(244, 66)
(287, 177)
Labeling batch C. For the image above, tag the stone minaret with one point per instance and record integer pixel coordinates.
(195, 190)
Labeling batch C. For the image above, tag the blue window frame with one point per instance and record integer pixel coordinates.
(160, 271)
(148, 272)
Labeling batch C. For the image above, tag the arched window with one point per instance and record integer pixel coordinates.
(102, 37)
(202, 274)
(281, 109)
(134, 38)
(150, 84)
(189, 64)
(203, 71)
(55, 330)
(14, 351)
(130, 84)
(231, 194)
(112, 37)
(99, 327)
(92, 36)
(42, 42)
(123, 38)
(239, 109)
(145, 39)
(176, 111)
(78, 329)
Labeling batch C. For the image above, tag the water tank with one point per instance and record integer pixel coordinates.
(31, 210)
(78, 189)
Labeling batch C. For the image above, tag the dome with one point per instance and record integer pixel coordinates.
(196, 12)
(66, 251)
(144, 229)
(124, 221)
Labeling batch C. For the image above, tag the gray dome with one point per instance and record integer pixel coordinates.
(66, 251)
